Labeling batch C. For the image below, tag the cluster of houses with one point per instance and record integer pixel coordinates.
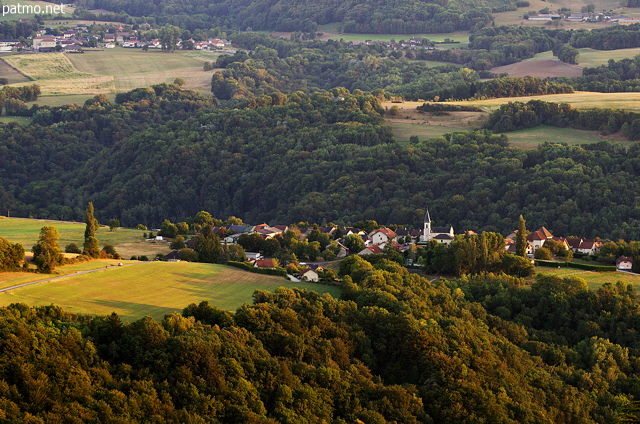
(72, 41)
(399, 239)
(583, 17)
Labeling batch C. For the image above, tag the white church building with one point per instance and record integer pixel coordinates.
(441, 234)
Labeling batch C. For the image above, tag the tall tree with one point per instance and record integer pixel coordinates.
(91, 247)
(46, 252)
(169, 36)
(208, 246)
(521, 238)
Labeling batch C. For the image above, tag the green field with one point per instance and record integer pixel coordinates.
(128, 242)
(403, 130)
(19, 119)
(594, 279)
(533, 137)
(153, 289)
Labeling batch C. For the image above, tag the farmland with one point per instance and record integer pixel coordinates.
(128, 242)
(73, 78)
(594, 280)
(153, 289)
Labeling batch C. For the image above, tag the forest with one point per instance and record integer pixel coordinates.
(406, 17)
(395, 348)
(166, 153)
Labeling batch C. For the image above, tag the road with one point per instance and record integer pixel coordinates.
(17, 286)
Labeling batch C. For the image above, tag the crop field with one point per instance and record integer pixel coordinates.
(579, 99)
(128, 242)
(74, 78)
(594, 280)
(133, 68)
(541, 66)
(153, 289)
(56, 75)
(14, 77)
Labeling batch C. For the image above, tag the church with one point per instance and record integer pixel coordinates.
(441, 234)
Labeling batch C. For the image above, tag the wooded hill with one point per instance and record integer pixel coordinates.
(408, 17)
(165, 153)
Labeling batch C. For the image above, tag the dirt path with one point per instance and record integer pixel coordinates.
(17, 286)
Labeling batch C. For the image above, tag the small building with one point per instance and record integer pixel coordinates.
(309, 274)
(371, 250)
(253, 256)
(624, 263)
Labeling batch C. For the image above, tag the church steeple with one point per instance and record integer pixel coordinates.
(426, 233)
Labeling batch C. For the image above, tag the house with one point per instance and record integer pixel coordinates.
(574, 243)
(174, 256)
(381, 235)
(430, 233)
(589, 247)
(412, 234)
(8, 45)
(309, 274)
(624, 263)
(46, 42)
(253, 256)
(538, 237)
(371, 250)
(264, 263)
(511, 247)
(445, 239)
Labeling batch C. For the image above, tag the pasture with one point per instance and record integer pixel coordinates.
(153, 289)
(128, 242)
(594, 279)
(331, 32)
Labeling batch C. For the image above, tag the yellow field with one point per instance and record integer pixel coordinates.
(74, 78)
(56, 75)
(152, 289)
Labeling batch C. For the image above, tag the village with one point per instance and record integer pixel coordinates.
(76, 39)
(384, 239)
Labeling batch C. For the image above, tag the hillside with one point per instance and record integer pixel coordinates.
(167, 154)
(304, 15)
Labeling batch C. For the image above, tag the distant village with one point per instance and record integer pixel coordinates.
(399, 239)
(582, 17)
(76, 39)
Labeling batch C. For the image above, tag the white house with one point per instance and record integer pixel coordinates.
(381, 235)
(44, 42)
(371, 250)
(309, 275)
(624, 263)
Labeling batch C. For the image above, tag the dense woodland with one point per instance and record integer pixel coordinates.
(168, 153)
(394, 349)
(407, 17)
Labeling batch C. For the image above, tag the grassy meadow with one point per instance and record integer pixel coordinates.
(594, 279)
(153, 289)
(128, 242)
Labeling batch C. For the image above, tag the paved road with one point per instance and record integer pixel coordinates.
(17, 286)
